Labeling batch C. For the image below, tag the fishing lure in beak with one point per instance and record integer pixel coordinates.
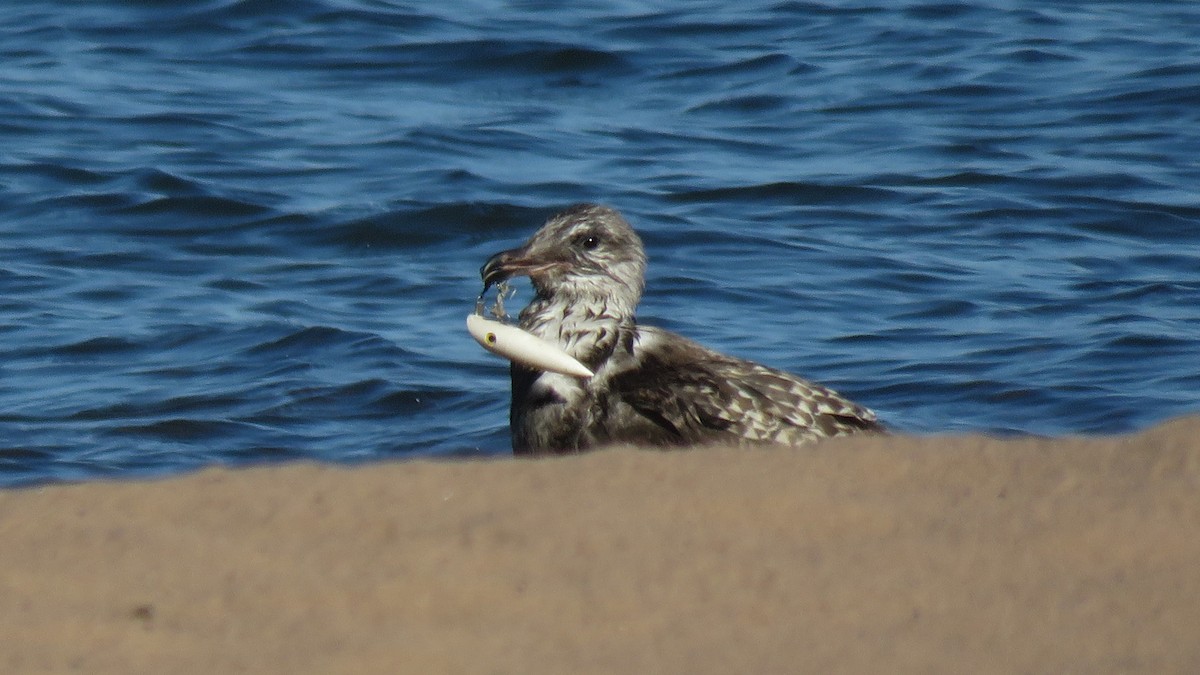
(518, 345)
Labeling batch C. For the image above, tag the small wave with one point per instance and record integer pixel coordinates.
(489, 58)
(426, 224)
(764, 65)
(202, 206)
(182, 429)
(788, 192)
(97, 346)
(67, 175)
(750, 103)
(306, 339)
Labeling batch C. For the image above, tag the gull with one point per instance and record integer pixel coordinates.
(649, 386)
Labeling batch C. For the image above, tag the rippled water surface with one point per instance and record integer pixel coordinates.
(249, 231)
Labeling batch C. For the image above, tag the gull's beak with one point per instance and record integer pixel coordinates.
(500, 267)
(513, 263)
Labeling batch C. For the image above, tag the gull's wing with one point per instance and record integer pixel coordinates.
(698, 395)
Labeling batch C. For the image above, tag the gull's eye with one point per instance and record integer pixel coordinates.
(589, 242)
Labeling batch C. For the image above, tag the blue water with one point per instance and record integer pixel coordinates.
(249, 231)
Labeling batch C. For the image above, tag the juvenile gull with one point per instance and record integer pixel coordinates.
(651, 386)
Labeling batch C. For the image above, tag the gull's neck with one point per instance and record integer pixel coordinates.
(589, 328)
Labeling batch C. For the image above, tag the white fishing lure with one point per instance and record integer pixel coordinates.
(523, 347)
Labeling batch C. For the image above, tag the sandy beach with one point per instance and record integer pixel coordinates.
(894, 554)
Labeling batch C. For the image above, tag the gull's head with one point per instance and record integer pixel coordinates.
(585, 252)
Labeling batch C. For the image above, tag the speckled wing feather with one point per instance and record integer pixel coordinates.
(703, 396)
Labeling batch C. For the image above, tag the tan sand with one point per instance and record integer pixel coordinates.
(952, 555)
